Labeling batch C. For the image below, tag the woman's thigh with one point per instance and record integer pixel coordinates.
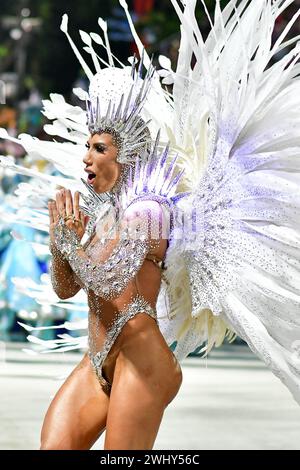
(146, 378)
(77, 414)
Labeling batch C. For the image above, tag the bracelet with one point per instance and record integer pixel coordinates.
(66, 240)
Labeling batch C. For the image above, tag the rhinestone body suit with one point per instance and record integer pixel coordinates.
(106, 319)
(107, 270)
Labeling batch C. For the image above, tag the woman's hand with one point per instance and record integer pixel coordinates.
(65, 207)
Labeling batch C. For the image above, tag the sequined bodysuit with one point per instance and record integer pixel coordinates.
(107, 271)
(106, 322)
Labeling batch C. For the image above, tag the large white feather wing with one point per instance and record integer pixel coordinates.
(242, 254)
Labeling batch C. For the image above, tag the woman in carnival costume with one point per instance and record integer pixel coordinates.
(191, 209)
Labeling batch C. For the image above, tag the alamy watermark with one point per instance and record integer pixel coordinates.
(147, 221)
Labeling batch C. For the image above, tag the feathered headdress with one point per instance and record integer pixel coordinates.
(115, 100)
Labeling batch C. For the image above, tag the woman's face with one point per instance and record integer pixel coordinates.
(100, 160)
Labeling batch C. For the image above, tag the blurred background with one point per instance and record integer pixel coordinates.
(36, 60)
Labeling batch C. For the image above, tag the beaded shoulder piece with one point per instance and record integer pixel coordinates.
(153, 177)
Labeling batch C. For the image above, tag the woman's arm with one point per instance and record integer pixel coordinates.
(62, 276)
(61, 273)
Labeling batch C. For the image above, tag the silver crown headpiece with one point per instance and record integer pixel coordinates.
(116, 98)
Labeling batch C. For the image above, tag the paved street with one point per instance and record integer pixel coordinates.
(230, 401)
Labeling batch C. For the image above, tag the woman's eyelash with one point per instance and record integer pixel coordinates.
(98, 148)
